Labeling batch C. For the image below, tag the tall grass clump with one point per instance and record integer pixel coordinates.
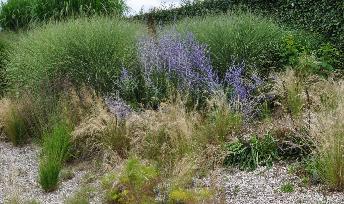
(329, 132)
(20, 14)
(240, 36)
(55, 151)
(15, 126)
(89, 52)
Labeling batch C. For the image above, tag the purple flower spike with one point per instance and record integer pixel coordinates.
(181, 59)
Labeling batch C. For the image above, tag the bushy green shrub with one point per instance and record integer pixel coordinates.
(55, 150)
(253, 153)
(241, 36)
(84, 51)
(18, 14)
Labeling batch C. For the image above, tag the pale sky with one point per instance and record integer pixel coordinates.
(136, 5)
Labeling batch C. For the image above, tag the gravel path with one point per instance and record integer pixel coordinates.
(19, 173)
(263, 186)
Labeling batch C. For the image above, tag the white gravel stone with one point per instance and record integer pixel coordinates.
(19, 176)
(263, 186)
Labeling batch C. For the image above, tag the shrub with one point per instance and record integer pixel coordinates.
(238, 37)
(18, 14)
(135, 184)
(87, 52)
(55, 151)
(252, 154)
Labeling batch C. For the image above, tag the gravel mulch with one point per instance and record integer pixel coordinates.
(19, 175)
(264, 186)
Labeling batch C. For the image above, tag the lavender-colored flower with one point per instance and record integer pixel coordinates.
(244, 89)
(118, 107)
(181, 59)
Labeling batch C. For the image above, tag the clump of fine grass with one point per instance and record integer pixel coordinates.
(86, 51)
(14, 124)
(55, 150)
(291, 89)
(329, 133)
(243, 36)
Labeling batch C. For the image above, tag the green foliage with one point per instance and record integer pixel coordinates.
(55, 150)
(324, 17)
(4, 46)
(242, 36)
(135, 184)
(294, 100)
(287, 188)
(17, 14)
(222, 123)
(88, 52)
(249, 155)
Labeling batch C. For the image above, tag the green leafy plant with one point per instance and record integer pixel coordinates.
(253, 153)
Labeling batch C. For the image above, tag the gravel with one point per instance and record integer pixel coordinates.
(19, 175)
(264, 186)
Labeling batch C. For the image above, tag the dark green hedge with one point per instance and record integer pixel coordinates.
(322, 16)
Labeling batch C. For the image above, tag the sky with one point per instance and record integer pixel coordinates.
(136, 5)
